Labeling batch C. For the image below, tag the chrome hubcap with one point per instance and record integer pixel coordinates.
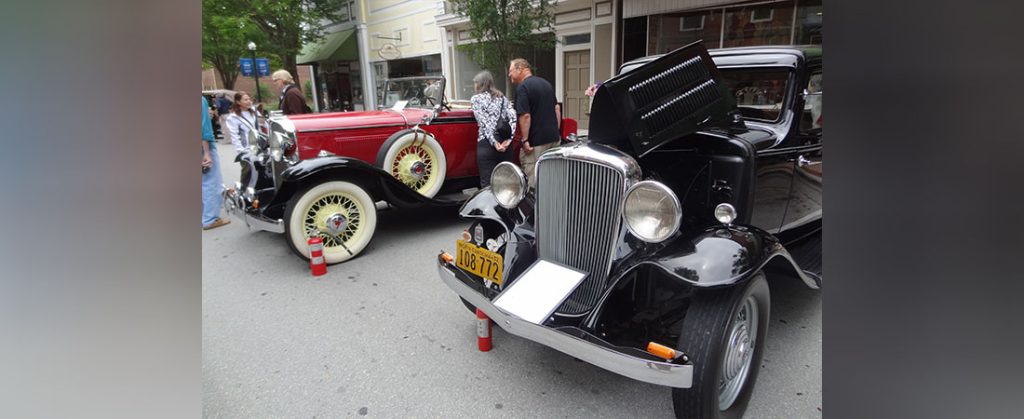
(335, 218)
(739, 353)
(335, 224)
(418, 170)
(412, 166)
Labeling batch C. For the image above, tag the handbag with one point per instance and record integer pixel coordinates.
(503, 128)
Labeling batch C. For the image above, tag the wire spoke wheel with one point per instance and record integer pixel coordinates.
(414, 166)
(333, 204)
(415, 159)
(340, 213)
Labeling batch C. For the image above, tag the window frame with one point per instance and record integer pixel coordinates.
(683, 28)
(771, 14)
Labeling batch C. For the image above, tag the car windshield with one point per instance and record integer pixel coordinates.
(420, 92)
(759, 92)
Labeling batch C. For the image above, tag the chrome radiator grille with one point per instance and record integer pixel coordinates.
(578, 219)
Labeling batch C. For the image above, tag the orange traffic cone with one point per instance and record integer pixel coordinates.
(316, 256)
(483, 331)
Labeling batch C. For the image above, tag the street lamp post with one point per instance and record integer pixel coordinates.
(255, 72)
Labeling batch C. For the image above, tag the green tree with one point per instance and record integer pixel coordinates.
(286, 25)
(505, 28)
(225, 39)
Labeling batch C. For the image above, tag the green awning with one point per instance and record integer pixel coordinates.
(337, 46)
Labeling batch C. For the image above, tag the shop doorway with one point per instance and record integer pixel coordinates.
(577, 79)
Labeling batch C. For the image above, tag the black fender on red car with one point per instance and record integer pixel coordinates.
(378, 183)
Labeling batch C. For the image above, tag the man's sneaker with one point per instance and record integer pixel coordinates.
(217, 223)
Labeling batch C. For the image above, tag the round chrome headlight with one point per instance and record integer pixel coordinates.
(508, 184)
(652, 211)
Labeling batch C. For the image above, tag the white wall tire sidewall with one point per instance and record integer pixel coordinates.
(296, 232)
(440, 166)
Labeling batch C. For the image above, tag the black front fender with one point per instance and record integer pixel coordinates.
(378, 183)
(520, 250)
(719, 256)
(710, 257)
(484, 205)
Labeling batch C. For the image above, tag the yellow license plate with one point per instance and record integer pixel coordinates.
(480, 261)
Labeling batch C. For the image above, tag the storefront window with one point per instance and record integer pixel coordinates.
(634, 37)
(672, 31)
(467, 69)
(432, 65)
(764, 24)
(380, 75)
(808, 22)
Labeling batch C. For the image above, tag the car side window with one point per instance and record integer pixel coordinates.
(759, 93)
(811, 119)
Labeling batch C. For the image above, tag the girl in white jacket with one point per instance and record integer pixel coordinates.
(240, 121)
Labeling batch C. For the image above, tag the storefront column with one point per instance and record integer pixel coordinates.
(369, 87)
(446, 64)
(313, 86)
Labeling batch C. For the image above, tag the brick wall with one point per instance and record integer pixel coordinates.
(211, 80)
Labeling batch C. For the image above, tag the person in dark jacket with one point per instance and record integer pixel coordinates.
(292, 101)
(223, 105)
(538, 115)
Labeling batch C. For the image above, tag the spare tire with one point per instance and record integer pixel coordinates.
(416, 159)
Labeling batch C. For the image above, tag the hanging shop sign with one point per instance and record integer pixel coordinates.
(389, 51)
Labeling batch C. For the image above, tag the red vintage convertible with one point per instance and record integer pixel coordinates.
(321, 175)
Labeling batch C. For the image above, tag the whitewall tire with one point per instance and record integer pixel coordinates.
(341, 213)
(415, 158)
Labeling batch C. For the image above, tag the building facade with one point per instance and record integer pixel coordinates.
(372, 41)
(584, 51)
(657, 27)
(380, 39)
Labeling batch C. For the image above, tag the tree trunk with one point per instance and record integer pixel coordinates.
(228, 78)
(289, 64)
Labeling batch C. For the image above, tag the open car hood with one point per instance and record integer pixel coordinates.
(668, 98)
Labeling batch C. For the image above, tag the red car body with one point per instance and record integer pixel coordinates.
(362, 134)
(321, 175)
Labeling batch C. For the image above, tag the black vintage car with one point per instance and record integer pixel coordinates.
(645, 249)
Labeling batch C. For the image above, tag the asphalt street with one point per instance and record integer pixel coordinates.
(382, 336)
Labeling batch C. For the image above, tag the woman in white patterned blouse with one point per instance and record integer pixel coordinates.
(488, 104)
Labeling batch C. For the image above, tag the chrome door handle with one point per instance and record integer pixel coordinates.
(801, 161)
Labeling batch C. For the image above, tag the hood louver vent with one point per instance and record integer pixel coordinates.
(663, 100)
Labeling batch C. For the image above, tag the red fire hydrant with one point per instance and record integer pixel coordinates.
(483, 331)
(316, 256)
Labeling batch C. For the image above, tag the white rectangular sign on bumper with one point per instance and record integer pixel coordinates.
(539, 291)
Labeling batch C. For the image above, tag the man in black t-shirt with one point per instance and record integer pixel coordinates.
(538, 117)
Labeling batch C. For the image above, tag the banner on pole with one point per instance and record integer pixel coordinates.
(263, 67)
(246, 66)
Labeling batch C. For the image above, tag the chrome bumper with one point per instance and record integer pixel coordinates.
(235, 205)
(654, 372)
